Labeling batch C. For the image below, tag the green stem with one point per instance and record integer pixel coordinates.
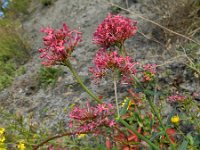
(160, 121)
(68, 64)
(116, 98)
(138, 134)
(156, 113)
(122, 49)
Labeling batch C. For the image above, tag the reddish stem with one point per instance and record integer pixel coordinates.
(56, 137)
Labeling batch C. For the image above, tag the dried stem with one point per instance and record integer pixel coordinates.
(116, 97)
(153, 22)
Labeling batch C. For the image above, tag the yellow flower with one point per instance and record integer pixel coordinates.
(175, 119)
(124, 102)
(2, 130)
(2, 139)
(72, 106)
(2, 146)
(81, 136)
(21, 146)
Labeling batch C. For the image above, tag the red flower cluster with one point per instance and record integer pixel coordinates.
(149, 72)
(114, 29)
(176, 98)
(91, 119)
(59, 44)
(111, 61)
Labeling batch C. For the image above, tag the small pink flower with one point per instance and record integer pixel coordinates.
(113, 30)
(176, 98)
(102, 107)
(149, 72)
(106, 62)
(150, 67)
(59, 44)
(91, 119)
(112, 123)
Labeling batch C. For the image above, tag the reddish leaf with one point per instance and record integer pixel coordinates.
(171, 133)
(108, 144)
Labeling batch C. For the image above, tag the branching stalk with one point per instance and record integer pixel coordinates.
(155, 112)
(68, 64)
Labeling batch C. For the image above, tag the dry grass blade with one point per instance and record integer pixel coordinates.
(153, 22)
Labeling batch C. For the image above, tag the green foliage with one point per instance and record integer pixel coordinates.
(49, 76)
(13, 51)
(6, 74)
(193, 56)
(17, 8)
(20, 128)
(13, 47)
(24, 128)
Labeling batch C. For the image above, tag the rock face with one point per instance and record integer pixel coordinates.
(85, 15)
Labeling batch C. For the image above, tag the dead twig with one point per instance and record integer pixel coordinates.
(153, 22)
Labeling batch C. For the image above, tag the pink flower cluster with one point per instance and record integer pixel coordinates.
(111, 61)
(149, 72)
(113, 30)
(59, 44)
(91, 119)
(176, 98)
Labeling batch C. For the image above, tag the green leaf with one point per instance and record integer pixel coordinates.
(149, 92)
(196, 140)
(183, 145)
(156, 135)
(101, 147)
(191, 140)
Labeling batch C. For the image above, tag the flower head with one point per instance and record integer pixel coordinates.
(113, 30)
(176, 98)
(111, 61)
(21, 145)
(125, 101)
(175, 119)
(2, 130)
(2, 139)
(149, 72)
(90, 119)
(59, 44)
